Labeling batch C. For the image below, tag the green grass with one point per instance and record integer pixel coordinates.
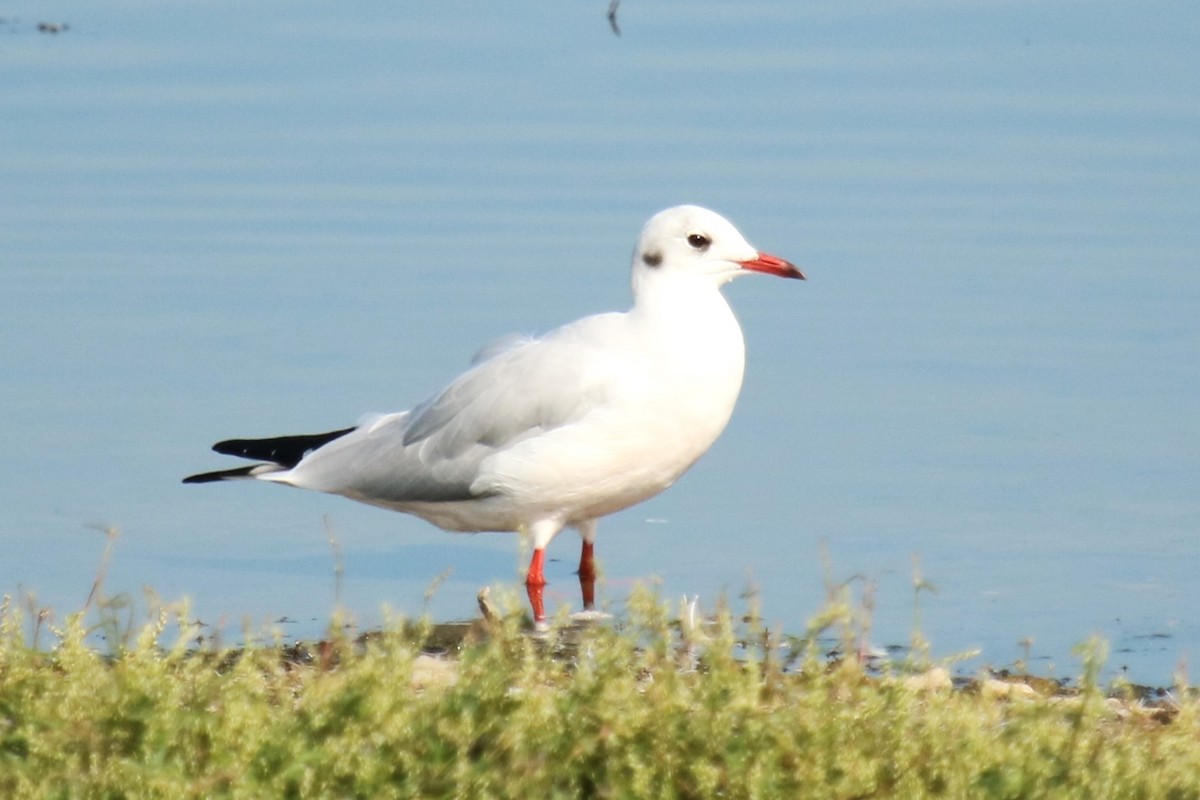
(635, 708)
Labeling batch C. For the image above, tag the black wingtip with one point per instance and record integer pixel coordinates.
(285, 451)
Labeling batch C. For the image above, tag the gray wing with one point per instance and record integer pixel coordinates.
(530, 387)
(494, 348)
(435, 452)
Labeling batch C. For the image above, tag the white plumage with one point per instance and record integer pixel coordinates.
(556, 431)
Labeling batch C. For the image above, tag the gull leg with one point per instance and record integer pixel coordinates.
(541, 532)
(535, 584)
(587, 576)
(587, 565)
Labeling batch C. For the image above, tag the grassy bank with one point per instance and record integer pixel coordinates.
(637, 707)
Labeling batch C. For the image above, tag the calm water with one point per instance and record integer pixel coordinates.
(222, 220)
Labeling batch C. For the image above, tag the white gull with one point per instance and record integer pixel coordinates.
(556, 431)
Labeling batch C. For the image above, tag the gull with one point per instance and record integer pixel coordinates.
(556, 431)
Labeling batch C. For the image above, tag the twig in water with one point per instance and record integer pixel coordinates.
(111, 535)
(339, 567)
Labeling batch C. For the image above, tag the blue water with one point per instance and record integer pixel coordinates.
(224, 219)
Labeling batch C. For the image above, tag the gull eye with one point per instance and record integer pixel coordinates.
(699, 241)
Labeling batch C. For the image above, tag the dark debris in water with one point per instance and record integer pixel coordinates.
(14, 25)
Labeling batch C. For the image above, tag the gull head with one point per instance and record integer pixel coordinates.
(693, 242)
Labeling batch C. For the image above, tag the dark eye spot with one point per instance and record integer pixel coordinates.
(651, 259)
(699, 241)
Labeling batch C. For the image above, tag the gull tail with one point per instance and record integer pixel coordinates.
(283, 453)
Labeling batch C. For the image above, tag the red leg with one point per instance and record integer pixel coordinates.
(535, 584)
(587, 576)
